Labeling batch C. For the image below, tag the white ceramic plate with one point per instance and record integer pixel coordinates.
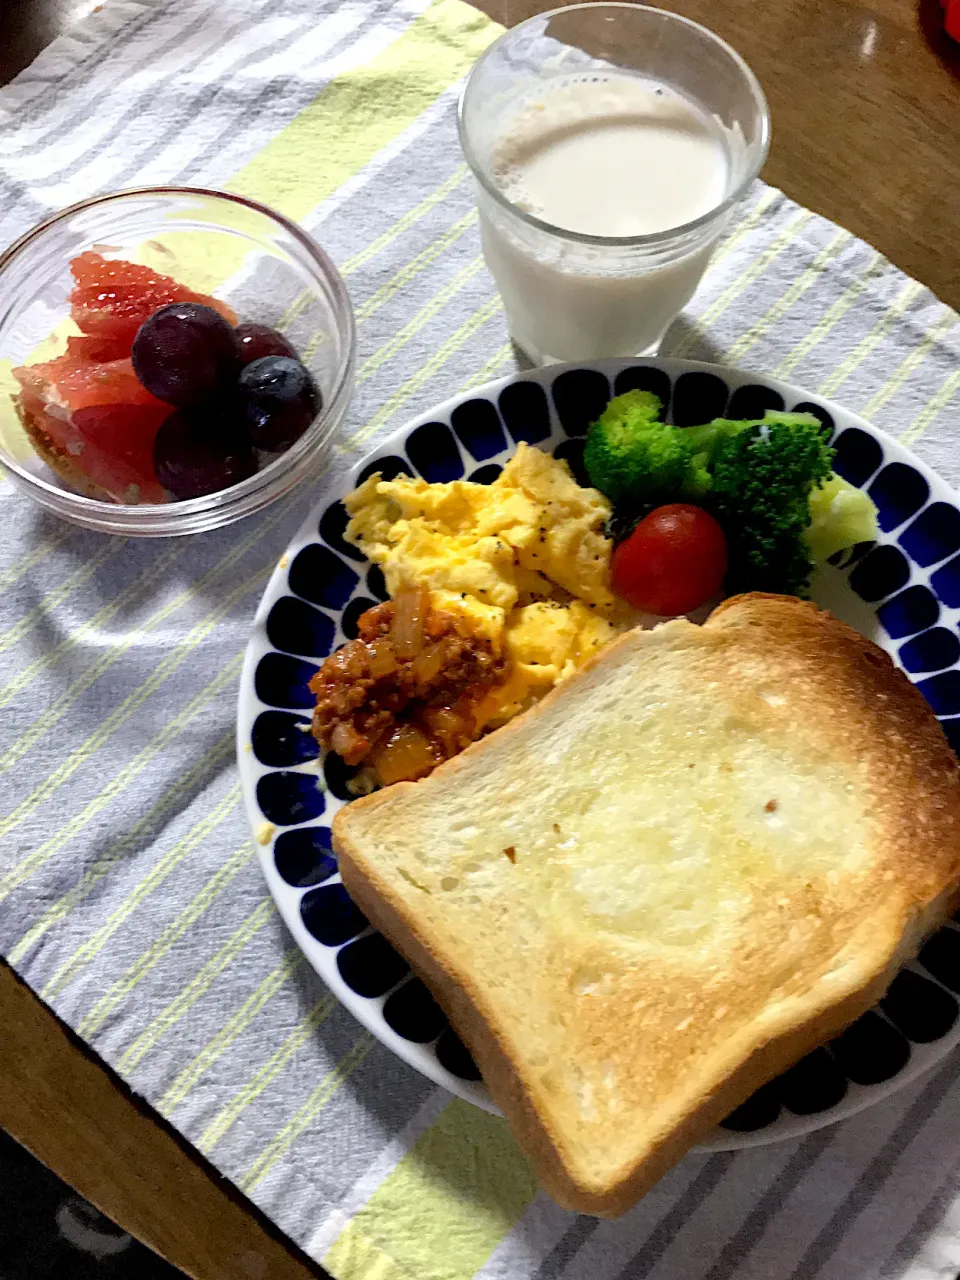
(903, 592)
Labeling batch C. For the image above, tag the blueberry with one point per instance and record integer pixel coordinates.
(278, 399)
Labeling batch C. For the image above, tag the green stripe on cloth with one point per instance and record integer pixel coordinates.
(225, 1036)
(199, 985)
(305, 1115)
(459, 1191)
(228, 1115)
(930, 410)
(360, 113)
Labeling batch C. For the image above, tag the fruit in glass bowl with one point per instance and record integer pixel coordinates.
(148, 403)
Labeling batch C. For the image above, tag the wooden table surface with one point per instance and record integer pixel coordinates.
(864, 96)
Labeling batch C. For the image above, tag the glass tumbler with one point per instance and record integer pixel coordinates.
(575, 296)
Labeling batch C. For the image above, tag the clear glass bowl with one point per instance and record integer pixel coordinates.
(267, 268)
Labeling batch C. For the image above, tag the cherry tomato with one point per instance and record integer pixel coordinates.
(672, 563)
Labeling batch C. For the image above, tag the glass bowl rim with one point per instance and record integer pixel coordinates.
(94, 512)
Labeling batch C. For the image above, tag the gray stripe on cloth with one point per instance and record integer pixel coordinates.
(199, 162)
(751, 1231)
(218, 93)
(150, 52)
(171, 801)
(218, 36)
(875, 1174)
(35, 107)
(566, 1248)
(208, 96)
(912, 1240)
(61, 56)
(30, 207)
(683, 1208)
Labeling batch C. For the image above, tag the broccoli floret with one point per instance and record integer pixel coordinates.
(634, 458)
(762, 481)
(706, 440)
(841, 515)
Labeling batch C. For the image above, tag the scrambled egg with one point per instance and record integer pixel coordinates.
(524, 558)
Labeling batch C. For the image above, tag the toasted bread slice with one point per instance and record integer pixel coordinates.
(694, 861)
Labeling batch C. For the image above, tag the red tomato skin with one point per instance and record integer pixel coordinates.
(674, 561)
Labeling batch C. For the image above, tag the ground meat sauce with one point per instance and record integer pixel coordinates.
(403, 696)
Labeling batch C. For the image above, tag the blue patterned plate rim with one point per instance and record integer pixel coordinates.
(833, 593)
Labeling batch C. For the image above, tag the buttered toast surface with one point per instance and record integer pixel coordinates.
(695, 860)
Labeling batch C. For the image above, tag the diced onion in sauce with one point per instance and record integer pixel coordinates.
(429, 662)
(404, 755)
(408, 619)
(382, 658)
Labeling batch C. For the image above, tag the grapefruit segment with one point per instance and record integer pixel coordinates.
(112, 298)
(118, 449)
(83, 347)
(99, 453)
(98, 418)
(87, 412)
(78, 384)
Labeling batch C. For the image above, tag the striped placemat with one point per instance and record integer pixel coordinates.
(130, 898)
